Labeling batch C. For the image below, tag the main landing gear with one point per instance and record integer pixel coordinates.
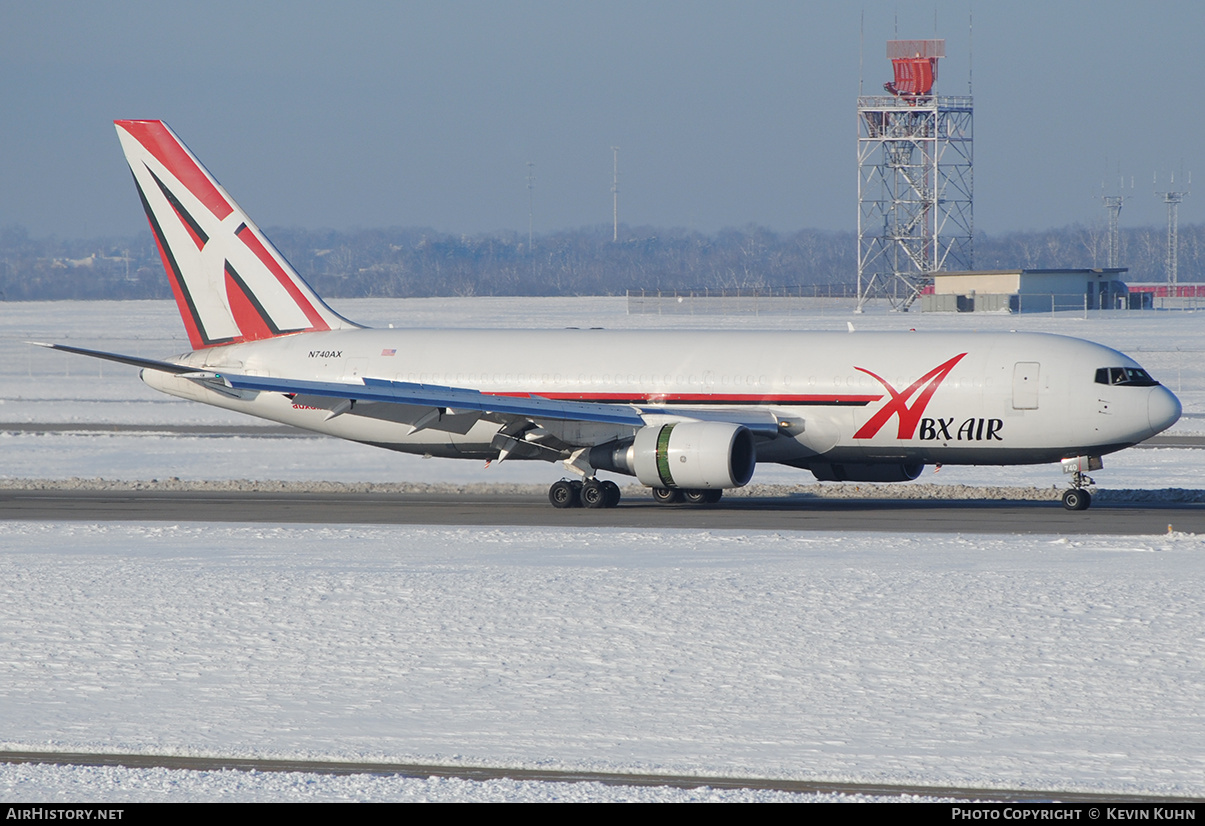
(591, 494)
(1077, 498)
(675, 496)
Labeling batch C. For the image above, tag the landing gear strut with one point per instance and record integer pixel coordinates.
(1078, 499)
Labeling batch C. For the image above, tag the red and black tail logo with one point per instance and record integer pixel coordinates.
(230, 284)
(898, 404)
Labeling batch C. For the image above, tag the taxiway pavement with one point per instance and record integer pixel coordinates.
(740, 513)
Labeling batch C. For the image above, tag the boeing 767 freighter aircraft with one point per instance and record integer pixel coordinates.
(687, 413)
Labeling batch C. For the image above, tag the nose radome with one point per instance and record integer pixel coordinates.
(1163, 409)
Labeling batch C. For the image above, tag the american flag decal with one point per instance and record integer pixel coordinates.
(389, 352)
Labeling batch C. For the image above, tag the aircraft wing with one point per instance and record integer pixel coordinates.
(382, 390)
(762, 422)
(759, 420)
(458, 398)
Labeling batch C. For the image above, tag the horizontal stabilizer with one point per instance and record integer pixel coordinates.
(135, 361)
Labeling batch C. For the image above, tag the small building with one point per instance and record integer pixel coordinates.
(1161, 296)
(1025, 291)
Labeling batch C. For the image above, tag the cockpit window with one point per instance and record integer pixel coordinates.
(1128, 376)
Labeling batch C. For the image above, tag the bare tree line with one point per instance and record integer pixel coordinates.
(422, 262)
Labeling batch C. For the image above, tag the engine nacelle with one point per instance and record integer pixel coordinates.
(692, 455)
(856, 472)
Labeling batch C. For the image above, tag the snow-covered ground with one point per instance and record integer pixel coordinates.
(1036, 662)
(1039, 662)
(56, 783)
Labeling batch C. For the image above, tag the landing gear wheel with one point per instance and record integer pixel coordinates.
(713, 496)
(593, 494)
(1076, 499)
(612, 491)
(695, 497)
(667, 496)
(563, 495)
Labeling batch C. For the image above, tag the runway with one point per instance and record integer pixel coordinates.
(740, 513)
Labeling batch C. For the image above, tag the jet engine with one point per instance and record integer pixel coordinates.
(689, 455)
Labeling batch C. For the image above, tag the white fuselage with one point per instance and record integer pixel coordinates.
(1011, 398)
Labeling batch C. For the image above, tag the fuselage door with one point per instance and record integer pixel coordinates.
(355, 368)
(1025, 385)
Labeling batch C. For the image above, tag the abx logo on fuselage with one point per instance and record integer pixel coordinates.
(908, 406)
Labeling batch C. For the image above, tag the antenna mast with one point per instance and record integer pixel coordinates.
(861, 40)
(615, 195)
(531, 203)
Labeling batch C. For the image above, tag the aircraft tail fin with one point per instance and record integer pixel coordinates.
(231, 285)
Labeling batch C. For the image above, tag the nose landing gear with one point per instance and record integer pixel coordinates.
(1077, 498)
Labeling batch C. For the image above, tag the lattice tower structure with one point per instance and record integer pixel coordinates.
(1172, 256)
(1114, 203)
(915, 180)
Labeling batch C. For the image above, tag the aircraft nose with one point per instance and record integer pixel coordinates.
(1163, 409)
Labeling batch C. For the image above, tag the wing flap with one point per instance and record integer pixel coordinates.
(454, 409)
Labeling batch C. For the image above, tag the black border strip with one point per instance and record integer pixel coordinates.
(180, 210)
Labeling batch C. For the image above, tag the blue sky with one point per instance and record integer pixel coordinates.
(426, 113)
